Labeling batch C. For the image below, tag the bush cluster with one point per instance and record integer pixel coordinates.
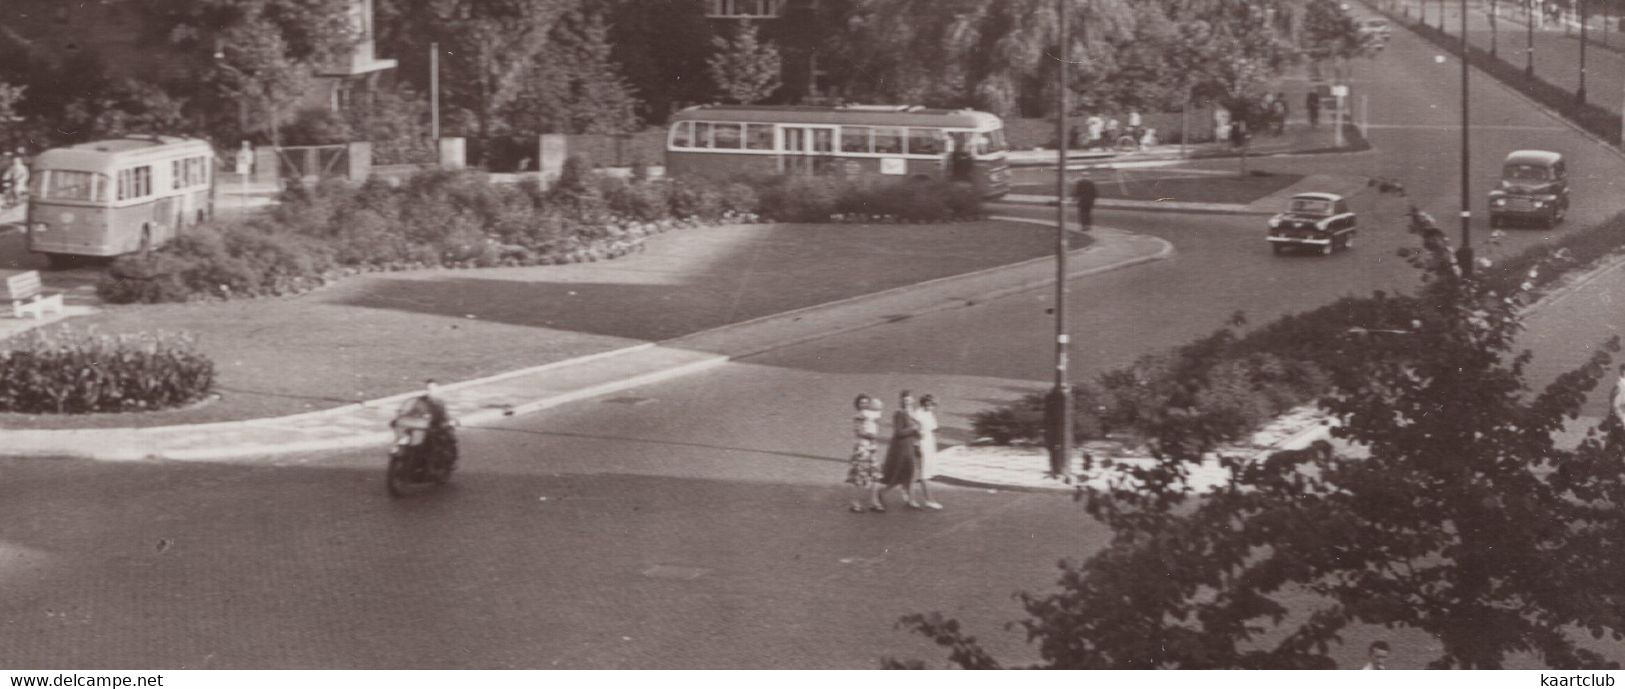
(66, 370)
(462, 219)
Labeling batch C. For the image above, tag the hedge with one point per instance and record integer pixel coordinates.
(66, 370)
(462, 219)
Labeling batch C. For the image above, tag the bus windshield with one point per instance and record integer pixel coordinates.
(70, 185)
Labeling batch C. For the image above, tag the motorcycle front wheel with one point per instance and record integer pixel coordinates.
(395, 475)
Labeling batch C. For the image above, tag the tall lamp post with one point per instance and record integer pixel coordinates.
(1580, 93)
(1529, 31)
(1492, 28)
(1464, 255)
(1062, 394)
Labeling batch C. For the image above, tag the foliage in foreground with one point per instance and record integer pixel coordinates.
(1465, 521)
(67, 370)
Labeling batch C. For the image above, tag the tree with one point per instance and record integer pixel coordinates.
(127, 106)
(265, 51)
(743, 68)
(574, 87)
(1465, 520)
(1329, 32)
(487, 49)
(660, 47)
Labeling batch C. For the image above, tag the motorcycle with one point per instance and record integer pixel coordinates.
(420, 455)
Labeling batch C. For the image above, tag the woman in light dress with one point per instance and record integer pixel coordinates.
(861, 473)
(926, 417)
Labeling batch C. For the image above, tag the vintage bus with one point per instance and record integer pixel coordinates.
(112, 197)
(905, 141)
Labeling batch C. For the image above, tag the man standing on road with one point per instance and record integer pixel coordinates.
(1311, 104)
(1084, 194)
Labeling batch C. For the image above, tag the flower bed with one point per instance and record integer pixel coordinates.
(65, 370)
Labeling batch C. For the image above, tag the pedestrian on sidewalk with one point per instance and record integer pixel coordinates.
(861, 473)
(1377, 656)
(1084, 194)
(1311, 105)
(926, 416)
(902, 463)
(1619, 396)
(1097, 131)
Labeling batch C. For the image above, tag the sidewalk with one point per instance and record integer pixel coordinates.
(517, 392)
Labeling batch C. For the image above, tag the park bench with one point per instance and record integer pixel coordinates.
(27, 295)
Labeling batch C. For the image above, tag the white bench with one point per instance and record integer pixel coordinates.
(27, 296)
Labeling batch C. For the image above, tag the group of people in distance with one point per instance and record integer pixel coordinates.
(908, 456)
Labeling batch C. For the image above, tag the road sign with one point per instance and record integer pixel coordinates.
(1340, 90)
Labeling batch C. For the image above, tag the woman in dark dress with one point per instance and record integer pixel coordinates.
(902, 465)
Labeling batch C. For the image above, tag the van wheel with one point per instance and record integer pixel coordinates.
(1278, 249)
(60, 261)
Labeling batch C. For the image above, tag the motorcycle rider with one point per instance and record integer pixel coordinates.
(440, 441)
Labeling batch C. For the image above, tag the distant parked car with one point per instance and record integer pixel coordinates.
(1376, 26)
(1315, 220)
(1534, 187)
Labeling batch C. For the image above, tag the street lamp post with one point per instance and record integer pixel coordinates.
(1464, 256)
(1529, 31)
(1580, 93)
(1062, 395)
(1492, 29)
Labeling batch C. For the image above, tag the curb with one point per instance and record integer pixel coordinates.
(1146, 206)
(382, 437)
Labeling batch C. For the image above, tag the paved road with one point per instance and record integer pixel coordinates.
(694, 523)
(1556, 50)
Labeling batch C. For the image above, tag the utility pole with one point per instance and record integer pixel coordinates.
(1062, 393)
(1464, 255)
(434, 93)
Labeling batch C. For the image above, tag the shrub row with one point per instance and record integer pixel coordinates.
(462, 219)
(1588, 116)
(66, 370)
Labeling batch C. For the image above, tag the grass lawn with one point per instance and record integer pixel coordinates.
(380, 334)
(1176, 185)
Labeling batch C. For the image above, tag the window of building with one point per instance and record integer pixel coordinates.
(856, 139)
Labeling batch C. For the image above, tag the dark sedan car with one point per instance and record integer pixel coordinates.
(1315, 220)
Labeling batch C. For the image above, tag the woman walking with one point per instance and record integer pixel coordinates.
(926, 417)
(902, 454)
(860, 472)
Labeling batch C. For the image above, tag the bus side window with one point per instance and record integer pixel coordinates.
(759, 137)
(888, 140)
(856, 139)
(925, 142)
(702, 134)
(682, 135)
(727, 135)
